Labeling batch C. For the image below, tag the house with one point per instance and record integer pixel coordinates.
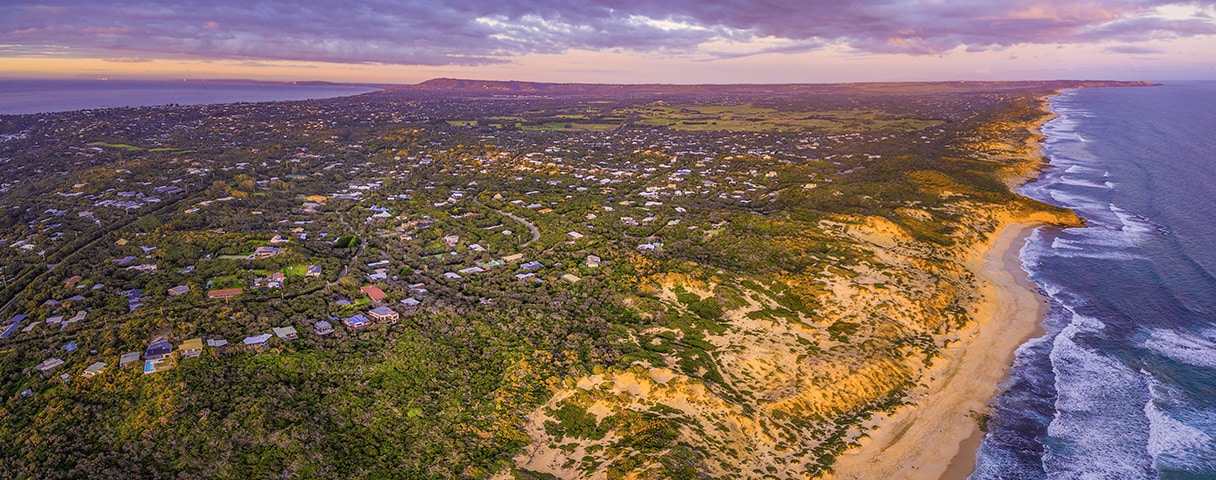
(411, 302)
(94, 370)
(127, 359)
(569, 278)
(257, 341)
(356, 322)
(575, 235)
(373, 292)
(157, 357)
(178, 290)
(264, 252)
(452, 275)
(48, 365)
(278, 239)
(192, 348)
(224, 293)
(512, 258)
(313, 271)
(10, 330)
(158, 350)
(323, 328)
(451, 240)
(383, 315)
(285, 333)
(533, 265)
(78, 317)
(471, 270)
(216, 342)
(594, 261)
(71, 282)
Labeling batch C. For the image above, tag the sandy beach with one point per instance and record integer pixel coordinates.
(937, 437)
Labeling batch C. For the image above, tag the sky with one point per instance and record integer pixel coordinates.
(599, 41)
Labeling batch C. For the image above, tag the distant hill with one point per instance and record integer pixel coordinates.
(523, 88)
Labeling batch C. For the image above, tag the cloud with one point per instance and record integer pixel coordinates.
(1133, 49)
(126, 60)
(473, 32)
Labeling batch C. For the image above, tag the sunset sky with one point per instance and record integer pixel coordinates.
(673, 41)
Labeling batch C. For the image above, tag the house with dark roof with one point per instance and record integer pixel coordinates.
(158, 356)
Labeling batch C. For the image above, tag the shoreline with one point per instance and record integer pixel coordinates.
(961, 384)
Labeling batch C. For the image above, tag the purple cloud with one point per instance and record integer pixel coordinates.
(1133, 50)
(416, 32)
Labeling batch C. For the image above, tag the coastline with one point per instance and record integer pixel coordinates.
(973, 370)
(963, 382)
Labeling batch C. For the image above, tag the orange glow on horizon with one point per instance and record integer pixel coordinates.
(1177, 59)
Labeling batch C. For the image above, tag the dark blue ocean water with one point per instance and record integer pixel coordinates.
(39, 96)
(1123, 383)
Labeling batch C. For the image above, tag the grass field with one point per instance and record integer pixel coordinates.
(748, 118)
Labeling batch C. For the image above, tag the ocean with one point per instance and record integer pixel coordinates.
(40, 96)
(1122, 385)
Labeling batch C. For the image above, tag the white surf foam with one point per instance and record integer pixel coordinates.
(1099, 430)
(1188, 349)
(1175, 442)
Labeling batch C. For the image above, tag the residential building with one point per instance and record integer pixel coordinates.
(158, 357)
(375, 293)
(257, 341)
(264, 252)
(48, 365)
(178, 290)
(94, 370)
(356, 322)
(285, 333)
(224, 293)
(127, 359)
(191, 348)
(323, 328)
(383, 315)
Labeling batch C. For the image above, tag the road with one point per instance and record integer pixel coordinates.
(535, 231)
